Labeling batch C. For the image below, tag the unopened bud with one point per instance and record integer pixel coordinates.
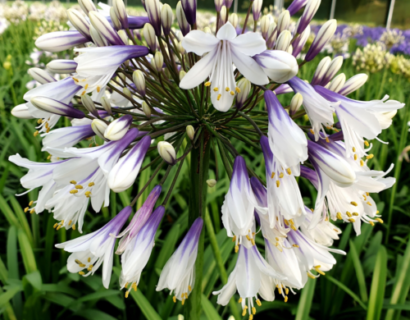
(310, 10)
(21, 111)
(154, 15)
(56, 107)
(334, 68)
(104, 28)
(118, 128)
(353, 83)
(264, 23)
(106, 104)
(149, 36)
(167, 152)
(139, 80)
(166, 19)
(283, 21)
(283, 41)
(228, 3)
(233, 19)
(121, 13)
(146, 109)
(97, 39)
(127, 93)
(115, 21)
(79, 22)
(211, 183)
(181, 48)
(337, 83)
(296, 5)
(182, 21)
(182, 74)
(272, 35)
(295, 103)
(89, 105)
(321, 70)
(218, 5)
(300, 41)
(278, 65)
(87, 6)
(189, 7)
(256, 9)
(190, 131)
(244, 86)
(223, 14)
(99, 127)
(158, 61)
(123, 35)
(290, 49)
(62, 66)
(325, 33)
(40, 75)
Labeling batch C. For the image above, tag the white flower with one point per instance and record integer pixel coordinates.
(278, 65)
(223, 50)
(91, 250)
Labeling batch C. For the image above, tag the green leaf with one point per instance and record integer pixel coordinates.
(26, 252)
(6, 296)
(34, 278)
(306, 298)
(359, 272)
(93, 314)
(209, 309)
(146, 308)
(347, 290)
(378, 286)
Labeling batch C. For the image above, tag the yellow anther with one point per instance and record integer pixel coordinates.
(73, 182)
(82, 265)
(234, 239)
(250, 317)
(70, 222)
(248, 237)
(186, 295)
(31, 211)
(286, 222)
(98, 88)
(339, 216)
(371, 223)
(240, 300)
(295, 246)
(244, 311)
(78, 186)
(311, 131)
(366, 143)
(277, 183)
(73, 191)
(174, 298)
(368, 202)
(48, 130)
(55, 225)
(367, 194)
(320, 271)
(207, 84)
(75, 79)
(258, 302)
(46, 125)
(189, 288)
(87, 194)
(236, 249)
(219, 97)
(90, 267)
(361, 163)
(227, 89)
(134, 286)
(272, 175)
(232, 93)
(83, 93)
(31, 203)
(377, 212)
(183, 301)
(355, 214)
(126, 285)
(348, 214)
(238, 90)
(355, 157)
(289, 171)
(279, 289)
(35, 133)
(49, 157)
(380, 220)
(39, 121)
(126, 294)
(91, 184)
(352, 220)
(370, 156)
(327, 139)
(86, 86)
(287, 291)
(311, 276)
(26, 209)
(281, 175)
(77, 261)
(73, 227)
(253, 241)
(216, 89)
(354, 149)
(285, 299)
(253, 310)
(81, 273)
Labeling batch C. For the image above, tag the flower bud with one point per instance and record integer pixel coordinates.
(334, 68)
(222, 14)
(139, 80)
(118, 128)
(300, 41)
(40, 75)
(272, 35)
(181, 48)
(99, 127)
(154, 15)
(182, 21)
(127, 93)
(106, 104)
(79, 22)
(114, 19)
(189, 7)
(290, 49)
(167, 19)
(87, 6)
(264, 24)
(218, 5)
(233, 19)
(21, 111)
(121, 13)
(101, 24)
(182, 74)
(190, 131)
(56, 107)
(61, 66)
(283, 41)
(167, 152)
(278, 65)
(296, 5)
(256, 9)
(295, 103)
(325, 33)
(211, 183)
(228, 3)
(337, 83)
(244, 86)
(283, 21)
(149, 36)
(123, 35)
(97, 39)
(158, 61)
(353, 84)
(146, 109)
(321, 70)
(311, 8)
(60, 40)
(89, 105)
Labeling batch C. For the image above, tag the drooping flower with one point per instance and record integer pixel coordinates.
(178, 274)
(224, 49)
(93, 249)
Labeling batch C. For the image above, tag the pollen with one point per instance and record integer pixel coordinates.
(355, 214)
(253, 310)
(371, 223)
(232, 93)
(295, 246)
(31, 211)
(219, 97)
(74, 191)
(339, 216)
(277, 183)
(348, 214)
(244, 311)
(368, 203)
(83, 93)
(216, 89)
(281, 175)
(311, 131)
(126, 285)
(366, 143)
(272, 175)
(287, 291)
(174, 298)
(87, 194)
(227, 89)
(81, 273)
(26, 209)
(327, 140)
(78, 186)
(285, 299)
(289, 171)
(240, 300)
(91, 184)
(258, 302)
(355, 156)
(31, 203)
(35, 133)
(75, 79)
(354, 149)
(236, 249)
(361, 163)
(189, 288)
(233, 238)
(73, 227)
(352, 220)
(380, 220)
(353, 203)
(238, 90)
(370, 156)
(207, 84)
(86, 86)
(134, 286)
(73, 182)
(126, 294)
(98, 88)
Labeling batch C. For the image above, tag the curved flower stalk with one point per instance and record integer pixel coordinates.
(178, 274)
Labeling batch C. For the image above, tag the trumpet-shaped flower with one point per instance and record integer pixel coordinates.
(67, 137)
(223, 49)
(138, 251)
(91, 250)
(178, 274)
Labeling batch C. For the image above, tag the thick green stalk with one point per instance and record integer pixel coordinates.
(197, 203)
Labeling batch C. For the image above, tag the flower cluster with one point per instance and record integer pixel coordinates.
(372, 58)
(138, 86)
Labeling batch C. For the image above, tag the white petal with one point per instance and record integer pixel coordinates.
(199, 42)
(249, 68)
(250, 43)
(227, 32)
